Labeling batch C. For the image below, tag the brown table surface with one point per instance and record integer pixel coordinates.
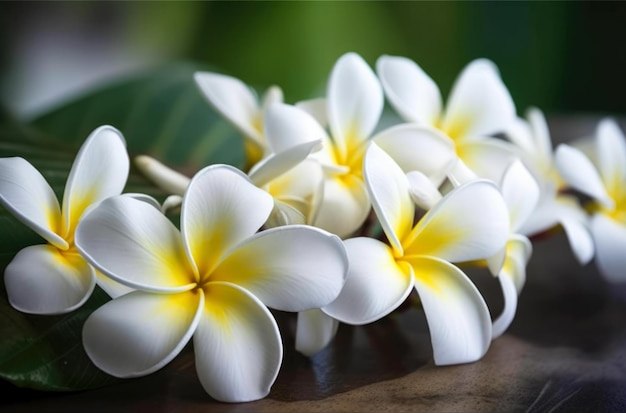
(565, 351)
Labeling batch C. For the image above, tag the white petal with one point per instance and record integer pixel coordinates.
(389, 191)
(273, 94)
(221, 208)
(316, 108)
(540, 134)
(345, 205)
(479, 103)
(457, 315)
(301, 267)
(355, 102)
(461, 174)
(423, 192)
(113, 288)
(512, 278)
(139, 333)
(164, 177)
(133, 243)
(302, 187)
(376, 284)
(611, 155)
(276, 164)
(411, 92)
(471, 222)
(418, 148)
(520, 192)
(42, 280)
(521, 135)
(237, 345)
(574, 221)
(610, 239)
(26, 194)
(99, 171)
(234, 100)
(544, 217)
(314, 331)
(488, 158)
(578, 171)
(286, 126)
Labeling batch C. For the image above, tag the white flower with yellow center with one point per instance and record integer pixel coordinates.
(53, 278)
(238, 103)
(479, 106)
(555, 207)
(602, 176)
(470, 222)
(212, 281)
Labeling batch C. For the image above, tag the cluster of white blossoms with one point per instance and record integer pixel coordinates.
(452, 186)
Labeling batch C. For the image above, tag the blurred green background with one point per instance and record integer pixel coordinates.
(564, 57)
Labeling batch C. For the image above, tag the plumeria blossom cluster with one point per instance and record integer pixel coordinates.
(333, 217)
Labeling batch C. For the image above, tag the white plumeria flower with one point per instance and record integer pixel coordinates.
(238, 103)
(294, 182)
(521, 195)
(53, 278)
(470, 222)
(603, 178)
(479, 106)
(211, 281)
(555, 207)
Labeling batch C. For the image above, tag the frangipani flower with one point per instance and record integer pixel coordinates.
(211, 281)
(53, 278)
(603, 178)
(239, 104)
(479, 106)
(532, 139)
(470, 222)
(294, 182)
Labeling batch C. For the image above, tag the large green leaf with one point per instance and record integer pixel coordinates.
(160, 113)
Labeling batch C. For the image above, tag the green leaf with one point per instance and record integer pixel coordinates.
(160, 113)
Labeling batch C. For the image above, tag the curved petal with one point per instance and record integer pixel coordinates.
(237, 345)
(133, 243)
(544, 217)
(611, 146)
(42, 280)
(355, 102)
(578, 171)
(345, 205)
(457, 315)
(610, 240)
(375, 286)
(301, 267)
(512, 278)
(520, 192)
(139, 333)
(314, 331)
(389, 191)
(419, 148)
(99, 171)
(221, 208)
(471, 222)
(27, 195)
(540, 134)
(488, 158)
(164, 177)
(113, 288)
(574, 221)
(286, 126)
(277, 164)
(423, 192)
(479, 103)
(233, 100)
(411, 92)
(273, 94)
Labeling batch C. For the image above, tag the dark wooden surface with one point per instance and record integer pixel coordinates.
(565, 351)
